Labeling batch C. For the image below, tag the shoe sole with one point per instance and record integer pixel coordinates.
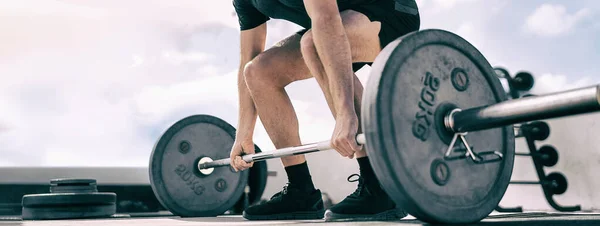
(388, 215)
(313, 215)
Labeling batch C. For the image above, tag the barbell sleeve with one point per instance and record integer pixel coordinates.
(278, 153)
(566, 103)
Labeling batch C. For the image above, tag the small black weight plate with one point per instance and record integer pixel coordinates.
(59, 199)
(174, 175)
(411, 78)
(70, 185)
(68, 212)
(72, 181)
(68, 205)
(257, 181)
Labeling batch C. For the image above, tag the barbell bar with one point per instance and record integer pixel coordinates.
(571, 102)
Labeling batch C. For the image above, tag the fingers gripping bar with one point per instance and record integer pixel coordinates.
(278, 153)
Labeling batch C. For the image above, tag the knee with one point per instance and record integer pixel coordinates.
(252, 72)
(307, 46)
(258, 74)
(309, 52)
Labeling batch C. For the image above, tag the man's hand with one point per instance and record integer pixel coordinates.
(344, 136)
(241, 147)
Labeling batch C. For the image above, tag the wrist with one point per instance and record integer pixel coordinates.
(242, 135)
(347, 112)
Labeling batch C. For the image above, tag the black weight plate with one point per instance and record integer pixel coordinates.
(68, 212)
(62, 199)
(257, 181)
(411, 78)
(72, 181)
(71, 185)
(73, 189)
(175, 178)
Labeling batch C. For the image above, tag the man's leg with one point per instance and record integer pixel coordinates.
(363, 35)
(266, 76)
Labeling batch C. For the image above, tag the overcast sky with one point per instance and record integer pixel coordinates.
(95, 82)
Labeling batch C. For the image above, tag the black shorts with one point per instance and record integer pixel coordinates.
(394, 24)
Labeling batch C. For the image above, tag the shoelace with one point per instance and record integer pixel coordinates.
(282, 192)
(361, 184)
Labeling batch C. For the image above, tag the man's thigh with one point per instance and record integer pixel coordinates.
(362, 35)
(393, 23)
(284, 61)
(374, 25)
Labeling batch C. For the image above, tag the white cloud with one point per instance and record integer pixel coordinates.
(91, 83)
(448, 4)
(554, 20)
(84, 91)
(178, 58)
(437, 6)
(50, 7)
(550, 83)
(470, 32)
(4, 128)
(156, 102)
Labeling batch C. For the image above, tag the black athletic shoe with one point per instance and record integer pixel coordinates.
(289, 204)
(368, 202)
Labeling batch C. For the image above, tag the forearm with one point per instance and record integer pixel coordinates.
(247, 110)
(252, 43)
(333, 49)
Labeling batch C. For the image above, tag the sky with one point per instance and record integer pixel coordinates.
(96, 82)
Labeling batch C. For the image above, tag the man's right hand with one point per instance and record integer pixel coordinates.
(242, 146)
(343, 139)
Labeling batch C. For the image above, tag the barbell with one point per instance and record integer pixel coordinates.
(437, 129)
